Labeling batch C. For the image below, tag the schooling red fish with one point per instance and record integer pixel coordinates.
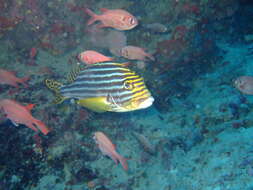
(8, 77)
(109, 149)
(244, 84)
(91, 57)
(19, 114)
(135, 53)
(114, 18)
(33, 52)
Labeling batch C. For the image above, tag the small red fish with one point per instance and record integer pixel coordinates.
(244, 84)
(109, 149)
(33, 52)
(115, 18)
(19, 114)
(135, 53)
(8, 77)
(91, 57)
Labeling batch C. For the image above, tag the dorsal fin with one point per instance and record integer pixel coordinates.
(73, 74)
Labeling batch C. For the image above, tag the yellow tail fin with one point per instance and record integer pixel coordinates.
(55, 87)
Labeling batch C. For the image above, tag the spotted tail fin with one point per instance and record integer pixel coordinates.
(55, 87)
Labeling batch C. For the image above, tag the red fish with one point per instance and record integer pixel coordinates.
(33, 52)
(91, 57)
(115, 18)
(109, 149)
(8, 77)
(135, 53)
(244, 84)
(19, 114)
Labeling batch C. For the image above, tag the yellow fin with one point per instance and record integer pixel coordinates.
(55, 87)
(97, 104)
(58, 99)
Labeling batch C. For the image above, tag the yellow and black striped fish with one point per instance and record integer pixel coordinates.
(104, 87)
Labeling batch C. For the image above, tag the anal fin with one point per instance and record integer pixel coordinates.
(14, 123)
(58, 99)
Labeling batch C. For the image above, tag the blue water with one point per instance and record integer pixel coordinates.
(197, 135)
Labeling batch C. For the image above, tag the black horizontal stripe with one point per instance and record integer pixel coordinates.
(103, 91)
(104, 73)
(100, 86)
(90, 85)
(125, 96)
(101, 82)
(94, 92)
(83, 91)
(105, 79)
(139, 84)
(115, 94)
(105, 65)
(137, 98)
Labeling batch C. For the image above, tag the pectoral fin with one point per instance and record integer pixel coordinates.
(14, 123)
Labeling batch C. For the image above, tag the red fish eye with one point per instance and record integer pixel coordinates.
(131, 20)
(123, 52)
(240, 83)
(126, 53)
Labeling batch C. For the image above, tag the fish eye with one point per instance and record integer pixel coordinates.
(238, 82)
(128, 85)
(131, 20)
(124, 52)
